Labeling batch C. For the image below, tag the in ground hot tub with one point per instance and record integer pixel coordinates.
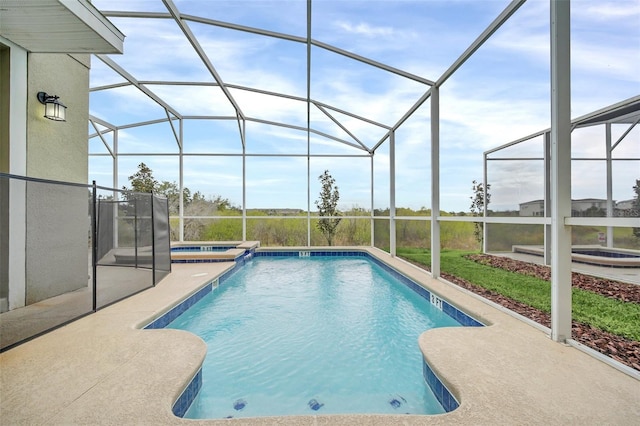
(593, 255)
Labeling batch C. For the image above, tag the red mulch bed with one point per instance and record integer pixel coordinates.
(608, 288)
(624, 350)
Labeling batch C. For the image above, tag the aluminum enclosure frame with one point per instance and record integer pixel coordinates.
(558, 218)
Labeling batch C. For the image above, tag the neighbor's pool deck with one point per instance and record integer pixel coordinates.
(102, 369)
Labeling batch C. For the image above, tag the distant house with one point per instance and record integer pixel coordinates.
(625, 209)
(277, 211)
(582, 207)
(589, 207)
(532, 208)
(284, 212)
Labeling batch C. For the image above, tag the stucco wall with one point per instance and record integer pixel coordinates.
(57, 232)
(58, 150)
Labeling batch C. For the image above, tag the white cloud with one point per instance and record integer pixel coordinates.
(609, 10)
(272, 108)
(365, 29)
(124, 105)
(489, 121)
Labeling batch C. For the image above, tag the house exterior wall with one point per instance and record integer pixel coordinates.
(584, 205)
(625, 204)
(536, 208)
(44, 226)
(625, 209)
(57, 225)
(532, 208)
(57, 216)
(58, 150)
(13, 146)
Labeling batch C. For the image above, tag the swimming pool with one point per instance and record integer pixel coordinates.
(317, 335)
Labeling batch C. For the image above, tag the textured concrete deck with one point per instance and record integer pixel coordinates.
(102, 369)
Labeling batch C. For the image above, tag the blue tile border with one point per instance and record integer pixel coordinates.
(166, 318)
(200, 260)
(312, 253)
(455, 313)
(201, 248)
(442, 394)
(188, 395)
(448, 402)
(604, 253)
(180, 308)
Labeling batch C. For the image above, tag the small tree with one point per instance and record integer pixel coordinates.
(142, 180)
(635, 206)
(478, 203)
(328, 206)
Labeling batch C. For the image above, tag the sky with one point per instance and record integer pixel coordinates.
(499, 95)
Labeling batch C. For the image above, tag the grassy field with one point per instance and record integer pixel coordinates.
(620, 318)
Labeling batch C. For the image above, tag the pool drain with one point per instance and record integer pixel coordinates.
(239, 404)
(397, 402)
(315, 405)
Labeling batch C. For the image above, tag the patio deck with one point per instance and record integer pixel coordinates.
(102, 369)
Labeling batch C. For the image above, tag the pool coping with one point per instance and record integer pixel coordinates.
(102, 369)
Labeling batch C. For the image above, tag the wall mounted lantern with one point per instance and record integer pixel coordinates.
(53, 108)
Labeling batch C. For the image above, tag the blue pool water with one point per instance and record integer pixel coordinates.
(314, 335)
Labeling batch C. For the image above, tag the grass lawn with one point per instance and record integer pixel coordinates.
(620, 318)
